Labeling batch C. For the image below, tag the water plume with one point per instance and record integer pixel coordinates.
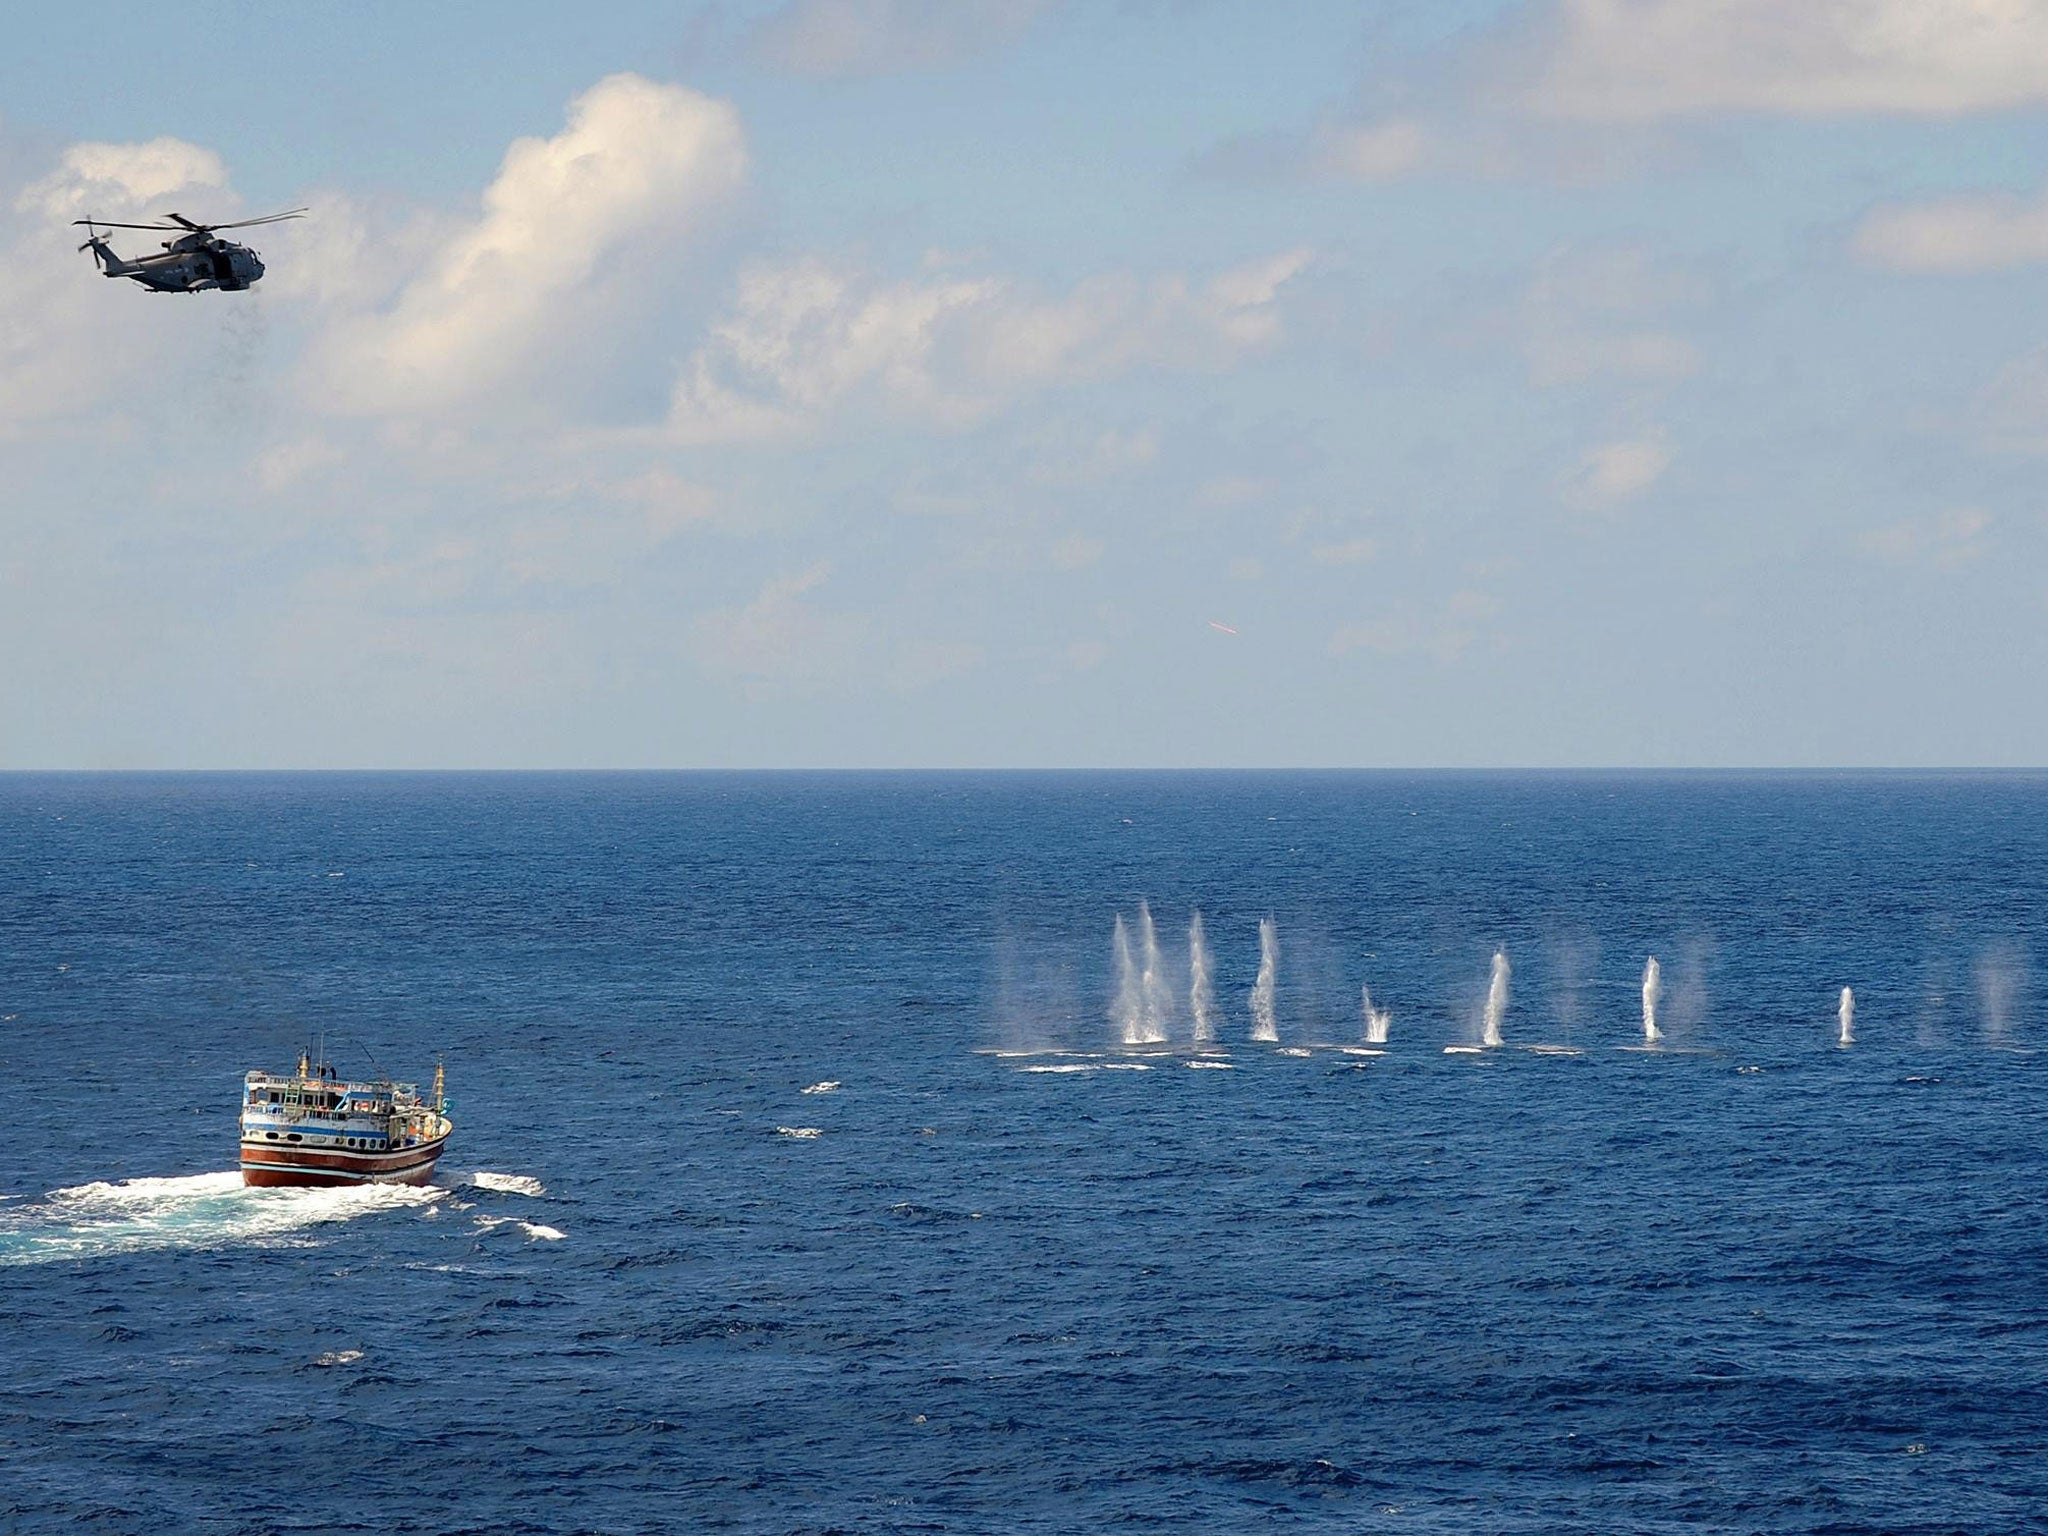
(1129, 1008)
(2001, 970)
(1496, 1000)
(1376, 1019)
(1202, 986)
(1846, 1015)
(1156, 1001)
(1265, 1022)
(1653, 994)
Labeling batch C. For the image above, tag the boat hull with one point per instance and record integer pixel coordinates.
(267, 1165)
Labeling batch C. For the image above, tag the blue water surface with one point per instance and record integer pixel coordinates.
(996, 1272)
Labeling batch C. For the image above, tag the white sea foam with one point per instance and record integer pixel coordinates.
(1212, 1066)
(508, 1183)
(830, 1085)
(1065, 1066)
(335, 1357)
(1293, 1050)
(206, 1210)
(800, 1132)
(534, 1230)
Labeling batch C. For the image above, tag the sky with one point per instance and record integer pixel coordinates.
(1033, 383)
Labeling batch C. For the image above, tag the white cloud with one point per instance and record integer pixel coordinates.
(1616, 472)
(1541, 93)
(1644, 60)
(1444, 635)
(1345, 552)
(783, 636)
(125, 181)
(638, 164)
(70, 343)
(828, 38)
(1075, 552)
(1379, 151)
(288, 463)
(1087, 655)
(1947, 539)
(2012, 413)
(806, 339)
(780, 635)
(1956, 234)
(1597, 313)
(1065, 459)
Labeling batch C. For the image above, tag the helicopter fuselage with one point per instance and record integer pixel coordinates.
(189, 264)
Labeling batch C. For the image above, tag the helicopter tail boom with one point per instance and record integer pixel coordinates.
(103, 254)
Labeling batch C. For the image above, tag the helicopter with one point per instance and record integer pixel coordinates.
(196, 260)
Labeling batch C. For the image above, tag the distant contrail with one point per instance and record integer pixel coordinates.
(1225, 628)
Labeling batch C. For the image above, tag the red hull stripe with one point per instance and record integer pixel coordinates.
(269, 1164)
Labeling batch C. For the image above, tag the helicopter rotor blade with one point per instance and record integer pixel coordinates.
(268, 218)
(109, 224)
(184, 223)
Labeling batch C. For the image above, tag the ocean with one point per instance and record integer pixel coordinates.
(805, 1178)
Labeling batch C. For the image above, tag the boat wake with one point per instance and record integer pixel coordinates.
(507, 1183)
(205, 1210)
(534, 1231)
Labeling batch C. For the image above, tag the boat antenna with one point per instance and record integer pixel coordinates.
(376, 1066)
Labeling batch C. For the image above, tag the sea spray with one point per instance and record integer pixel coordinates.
(1156, 999)
(1846, 1017)
(1202, 985)
(1496, 1000)
(2000, 970)
(1653, 994)
(1128, 1010)
(1376, 1019)
(1265, 1022)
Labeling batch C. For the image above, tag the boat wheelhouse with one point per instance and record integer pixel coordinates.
(314, 1128)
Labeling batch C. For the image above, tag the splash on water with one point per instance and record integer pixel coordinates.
(535, 1231)
(830, 1085)
(508, 1184)
(206, 1210)
(1265, 1021)
(1202, 984)
(1155, 997)
(800, 1132)
(1653, 994)
(1377, 1020)
(1129, 1008)
(2000, 971)
(1845, 1016)
(1496, 1000)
